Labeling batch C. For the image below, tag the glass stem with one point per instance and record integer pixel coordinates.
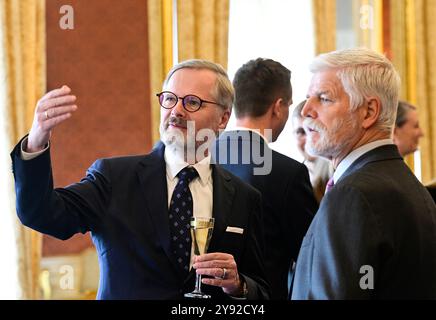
(197, 283)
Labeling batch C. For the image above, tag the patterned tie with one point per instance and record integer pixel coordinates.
(330, 185)
(180, 213)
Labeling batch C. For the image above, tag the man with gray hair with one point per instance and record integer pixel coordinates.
(138, 208)
(374, 235)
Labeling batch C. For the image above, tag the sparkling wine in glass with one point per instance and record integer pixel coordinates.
(201, 233)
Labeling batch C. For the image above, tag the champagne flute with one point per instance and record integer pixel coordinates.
(201, 233)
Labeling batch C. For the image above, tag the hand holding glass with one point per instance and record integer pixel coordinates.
(201, 233)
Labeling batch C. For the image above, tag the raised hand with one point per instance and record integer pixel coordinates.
(53, 108)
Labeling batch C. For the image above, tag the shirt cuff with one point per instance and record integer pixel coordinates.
(244, 292)
(31, 155)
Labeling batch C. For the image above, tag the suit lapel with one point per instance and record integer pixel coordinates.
(223, 193)
(385, 152)
(152, 175)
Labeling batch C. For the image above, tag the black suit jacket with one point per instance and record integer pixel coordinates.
(287, 198)
(123, 202)
(374, 236)
(432, 190)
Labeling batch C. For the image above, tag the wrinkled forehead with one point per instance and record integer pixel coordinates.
(324, 80)
(186, 81)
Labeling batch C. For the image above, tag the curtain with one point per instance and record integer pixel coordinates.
(368, 23)
(403, 49)
(425, 81)
(160, 37)
(23, 45)
(202, 32)
(203, 27)
(413, 44)
(324, 13)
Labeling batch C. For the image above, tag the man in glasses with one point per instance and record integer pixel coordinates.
(139, 208)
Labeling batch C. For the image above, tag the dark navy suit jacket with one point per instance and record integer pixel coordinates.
(287, 198)
(373, 237)
(123, 202)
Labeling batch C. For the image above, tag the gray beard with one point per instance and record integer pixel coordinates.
(328, 148)
(188, 149)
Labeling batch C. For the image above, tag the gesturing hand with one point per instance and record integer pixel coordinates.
(53, 108)
(223, 268)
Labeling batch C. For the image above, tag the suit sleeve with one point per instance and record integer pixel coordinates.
(338, 256)
(59, 212)
(301, 202)
(253, 269)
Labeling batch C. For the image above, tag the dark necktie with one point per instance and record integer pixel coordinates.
(330, 185)
(180, 213)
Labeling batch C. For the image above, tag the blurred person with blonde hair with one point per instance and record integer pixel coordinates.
(407, 131)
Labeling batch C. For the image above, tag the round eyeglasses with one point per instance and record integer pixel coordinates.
(191, 103)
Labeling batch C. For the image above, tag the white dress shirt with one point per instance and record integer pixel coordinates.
(30, 155)
(201, 187)
(355, 154)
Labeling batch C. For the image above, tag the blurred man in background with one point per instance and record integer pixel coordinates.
(263, 94)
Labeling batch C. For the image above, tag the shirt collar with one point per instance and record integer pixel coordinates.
(252, 130)
(174, 164)
(355, 154)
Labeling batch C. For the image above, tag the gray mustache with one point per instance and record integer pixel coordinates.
(177, 121)
(312, 124)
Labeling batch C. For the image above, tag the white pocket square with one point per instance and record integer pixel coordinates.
(235, 230)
